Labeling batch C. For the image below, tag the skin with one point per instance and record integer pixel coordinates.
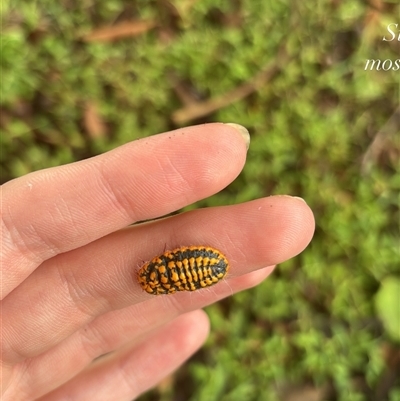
(69, 262)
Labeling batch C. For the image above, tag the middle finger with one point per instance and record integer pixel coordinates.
(71, 289)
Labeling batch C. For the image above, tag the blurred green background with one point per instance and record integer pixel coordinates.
(82, 77)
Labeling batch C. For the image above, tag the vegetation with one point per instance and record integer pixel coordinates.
(80, 78)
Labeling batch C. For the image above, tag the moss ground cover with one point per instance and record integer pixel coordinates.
(80, 78)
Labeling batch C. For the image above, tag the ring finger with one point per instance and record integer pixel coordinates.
(115, 329)
(128, 373)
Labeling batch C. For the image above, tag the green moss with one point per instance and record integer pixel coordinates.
(314, 319)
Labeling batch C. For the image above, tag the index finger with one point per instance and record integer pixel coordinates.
(63, 208)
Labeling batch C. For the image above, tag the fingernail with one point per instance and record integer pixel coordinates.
(293, 197)
(298, 197)
(243, 131)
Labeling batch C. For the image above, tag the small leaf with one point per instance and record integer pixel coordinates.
(387, 303)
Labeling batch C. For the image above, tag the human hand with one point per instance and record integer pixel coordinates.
(69, 291)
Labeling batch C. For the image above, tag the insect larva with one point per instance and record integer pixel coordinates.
(188, 268)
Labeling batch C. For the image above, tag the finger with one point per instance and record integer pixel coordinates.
(59, 209)
(127, 374)
(113, 330)
(72, 289)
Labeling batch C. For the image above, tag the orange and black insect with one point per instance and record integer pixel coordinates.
(188, 268)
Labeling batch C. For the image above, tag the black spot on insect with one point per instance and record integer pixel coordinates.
(188, 268)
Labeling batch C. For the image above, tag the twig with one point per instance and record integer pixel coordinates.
(201, 109)
(118, 31)
(377, 145)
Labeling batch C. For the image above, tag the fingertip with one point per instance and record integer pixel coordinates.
(297, 223)
(198, 324)
(244, 133)
(252, 279)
